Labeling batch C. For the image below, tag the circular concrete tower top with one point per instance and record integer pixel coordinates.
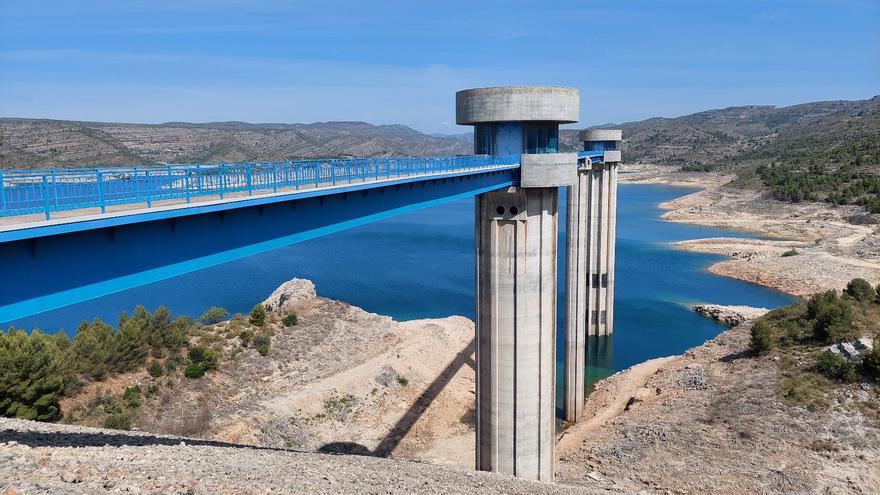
(517, 104)
(602, 135)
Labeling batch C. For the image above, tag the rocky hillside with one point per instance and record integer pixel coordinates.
(739, 135)
(27, 143)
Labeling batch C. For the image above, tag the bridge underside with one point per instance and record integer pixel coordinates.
(54, 265)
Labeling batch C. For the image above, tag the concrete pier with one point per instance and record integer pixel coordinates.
(591, 232)
(516, 248)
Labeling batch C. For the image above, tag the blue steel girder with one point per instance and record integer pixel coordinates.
(54, 264)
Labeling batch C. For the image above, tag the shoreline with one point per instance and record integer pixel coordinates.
(805, 248)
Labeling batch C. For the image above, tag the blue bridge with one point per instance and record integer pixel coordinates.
(59, 228)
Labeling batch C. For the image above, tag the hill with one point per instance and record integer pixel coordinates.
(29, 143)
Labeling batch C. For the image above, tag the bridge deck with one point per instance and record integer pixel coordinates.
(63, 221)
(48, 192)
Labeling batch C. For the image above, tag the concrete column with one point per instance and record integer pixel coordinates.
(577, 290)
(611, 246)
(516, 321)
(589, 303)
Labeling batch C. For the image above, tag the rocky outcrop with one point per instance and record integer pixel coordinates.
(851, 350)
(289, 293)
(730, 315)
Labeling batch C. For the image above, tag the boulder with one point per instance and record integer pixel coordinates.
(289, 293)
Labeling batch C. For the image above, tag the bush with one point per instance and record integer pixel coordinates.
(832, 318)
(214, 314)
(871, 363)
(194, 371)
(836, 367)
(290, 320)
(257, 316)
(262, 341)
(204, 356)
(155, 369)
(790, 252)
(245, 336)
(860, 290)
(132, 397)
(197, 354)
(117, 422)
(762, 340)
(31, 375)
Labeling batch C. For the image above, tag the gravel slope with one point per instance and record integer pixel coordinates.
(52, 458)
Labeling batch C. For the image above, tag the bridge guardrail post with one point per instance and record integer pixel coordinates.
(100, 177)
(199, 177)
(2, 193)
(222, 180)
(274, 178)
(46, 195)
(54, 189)
(149, 190)
(248, 175)
(186, 183)
(296, 176)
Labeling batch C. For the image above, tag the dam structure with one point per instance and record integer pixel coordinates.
(589, 270)
(75, 234)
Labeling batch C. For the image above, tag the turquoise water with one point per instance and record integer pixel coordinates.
(421, 265)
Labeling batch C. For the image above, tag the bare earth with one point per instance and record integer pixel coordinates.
(710, 421)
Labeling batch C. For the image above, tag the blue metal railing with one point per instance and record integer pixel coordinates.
(45, 191)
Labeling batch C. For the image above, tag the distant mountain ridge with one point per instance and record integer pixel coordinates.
(39, 143)
(739, 135)
(724, 137)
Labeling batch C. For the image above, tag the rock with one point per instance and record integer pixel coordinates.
(729, 315)
(290, 292)
(851, 350)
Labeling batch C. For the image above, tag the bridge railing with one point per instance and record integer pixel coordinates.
(46, 191)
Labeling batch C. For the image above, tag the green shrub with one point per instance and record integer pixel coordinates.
(790, 252)
(214, 314)
(262, 341)
(246, 336)
(132, 397)
(832, 318)
(197, 354)
(762, 338)
(194, 371)
(31, 375)
(155, 369)
(117, 422)
(290, 320)
(257, 316)
(92, 350)
(836, 367)
(402, 380)
(871, 363)
(860, 290)
(205, 356)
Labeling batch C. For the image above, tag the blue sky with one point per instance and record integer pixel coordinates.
(401, 61)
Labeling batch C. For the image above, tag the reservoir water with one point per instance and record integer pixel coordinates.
(421, 265)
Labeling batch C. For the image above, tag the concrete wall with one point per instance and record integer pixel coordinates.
(601, 135)
(517, 104)
(548, 169)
